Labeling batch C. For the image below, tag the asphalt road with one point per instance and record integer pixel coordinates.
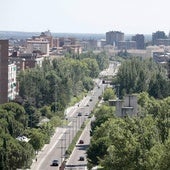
(64, 135)
(80, 150)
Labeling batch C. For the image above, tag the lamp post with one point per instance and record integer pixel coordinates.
(61, 146)
(69, 131)
(55, 96)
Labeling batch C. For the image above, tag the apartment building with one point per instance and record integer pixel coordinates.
(76, 49)
(140, 41)
(158, 35)
(48, 37)
(26, 60)
(12, 83)
(113, 37)
(126, 45)
(165, 42)
(3, 71)
(39, 46)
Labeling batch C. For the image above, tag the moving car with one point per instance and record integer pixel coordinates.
(81, 158)
(81, 142)
(55, 163)
(79, 114)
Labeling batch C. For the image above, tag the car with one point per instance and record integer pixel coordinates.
(79, 114)
(81, 158)
(55, 162)
(87, 114)
(81, 142)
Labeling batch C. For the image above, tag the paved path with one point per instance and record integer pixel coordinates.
(43, 154)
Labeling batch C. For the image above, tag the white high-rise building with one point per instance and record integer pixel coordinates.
(12, 83)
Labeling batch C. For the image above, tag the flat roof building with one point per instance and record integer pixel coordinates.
(40, 46)
(113, 37)
(140, 41)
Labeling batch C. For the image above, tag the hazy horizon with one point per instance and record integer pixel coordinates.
(79, 16)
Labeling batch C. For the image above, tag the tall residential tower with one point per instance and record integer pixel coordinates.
(113, 37)
(3, 71)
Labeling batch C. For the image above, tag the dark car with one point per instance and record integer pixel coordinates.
(55, 162)
(79, 114)
(81, 158)
(81, 142)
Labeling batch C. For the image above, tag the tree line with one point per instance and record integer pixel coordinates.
(132, 142)
(141, 142)
(136, 75)
(44, 93)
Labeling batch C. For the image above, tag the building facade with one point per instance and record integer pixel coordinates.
(158, 35)
(113, 37)
(12, 83)
(127, 107)
(165, 42)
(3, 71)
(126, 45)
(40, 46)
(140, 41)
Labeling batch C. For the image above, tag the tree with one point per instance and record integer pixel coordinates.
(109, 94)
(102, 115)
(165, 157)
(130, 143)
(136, 75)
(18, 111)
(14, 119)
(13, 153)
(37, 139)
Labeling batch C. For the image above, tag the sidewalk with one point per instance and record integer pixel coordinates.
(41, 156)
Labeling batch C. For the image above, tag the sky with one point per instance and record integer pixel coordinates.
(85, 16)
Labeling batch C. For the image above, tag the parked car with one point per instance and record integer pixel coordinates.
(55, 162)
(81, 158)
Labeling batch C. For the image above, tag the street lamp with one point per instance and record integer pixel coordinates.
(55, 88)
(61, 146)
(69, 132)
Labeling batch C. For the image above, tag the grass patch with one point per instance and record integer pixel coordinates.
(73, 143)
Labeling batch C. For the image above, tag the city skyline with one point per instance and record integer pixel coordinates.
(79, 16)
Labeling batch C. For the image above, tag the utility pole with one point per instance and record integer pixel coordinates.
(61, 146)
(55, 107)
